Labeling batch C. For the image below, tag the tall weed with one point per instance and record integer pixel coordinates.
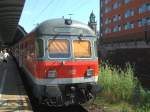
(122, 86)
(117, 85)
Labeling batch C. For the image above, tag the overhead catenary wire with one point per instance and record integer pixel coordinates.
(78, 5)
(74, 6)
(43, 10)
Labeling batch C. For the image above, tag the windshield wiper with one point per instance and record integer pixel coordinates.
(54, 37)
(79, 37)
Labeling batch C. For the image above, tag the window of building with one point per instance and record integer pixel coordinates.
(144, 8)
(107, 21)
(119, 17)
(101, 24)
(117, 28)
(129, 13)
(148, 20)
(107, 9)
(128, 25)
(116, 5)
(148, 6)
(101, 4)
(106, 1)
(141, 22)
(127, 1)
(107, 30)
(132, 25)
(116, 18)
(144, 21)
(101, 34)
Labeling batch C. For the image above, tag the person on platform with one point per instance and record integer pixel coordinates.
(5, 56)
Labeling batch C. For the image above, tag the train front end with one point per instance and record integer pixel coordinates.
(67, 65)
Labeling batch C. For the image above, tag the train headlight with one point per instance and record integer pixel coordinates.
(52, 74)
(90, 72)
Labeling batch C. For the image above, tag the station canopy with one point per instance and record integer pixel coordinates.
(10, 13)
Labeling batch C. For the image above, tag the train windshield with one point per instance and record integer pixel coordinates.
(81, 49)
(58, 48)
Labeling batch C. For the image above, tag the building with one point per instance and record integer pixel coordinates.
(92, 22)
(124, 20)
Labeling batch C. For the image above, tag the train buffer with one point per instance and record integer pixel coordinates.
(13, 97)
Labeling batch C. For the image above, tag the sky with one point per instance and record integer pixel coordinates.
(37, 11)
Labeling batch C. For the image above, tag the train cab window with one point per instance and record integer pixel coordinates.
(82, 49)
(39, 48)
(58, 48)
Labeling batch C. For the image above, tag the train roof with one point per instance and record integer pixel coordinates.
(63, 26)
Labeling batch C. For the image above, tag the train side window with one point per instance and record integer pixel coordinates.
(39, 48)
(95, 48)
(82, 48)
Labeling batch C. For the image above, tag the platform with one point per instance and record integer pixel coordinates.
(13, 97)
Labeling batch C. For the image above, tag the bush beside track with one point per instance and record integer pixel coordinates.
(121, 90)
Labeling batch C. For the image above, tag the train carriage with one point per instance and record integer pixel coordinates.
(60, 60)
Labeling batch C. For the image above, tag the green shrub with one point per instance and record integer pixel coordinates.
(143, 108)
(122, 86)
(117, 84)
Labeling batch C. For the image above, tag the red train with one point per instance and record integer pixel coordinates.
(60, 60)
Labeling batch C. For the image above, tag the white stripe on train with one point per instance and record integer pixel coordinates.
(52, 81)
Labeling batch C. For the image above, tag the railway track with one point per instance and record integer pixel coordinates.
(73, 108)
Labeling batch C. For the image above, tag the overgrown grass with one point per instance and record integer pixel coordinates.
(122, 86)
(117, 85)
